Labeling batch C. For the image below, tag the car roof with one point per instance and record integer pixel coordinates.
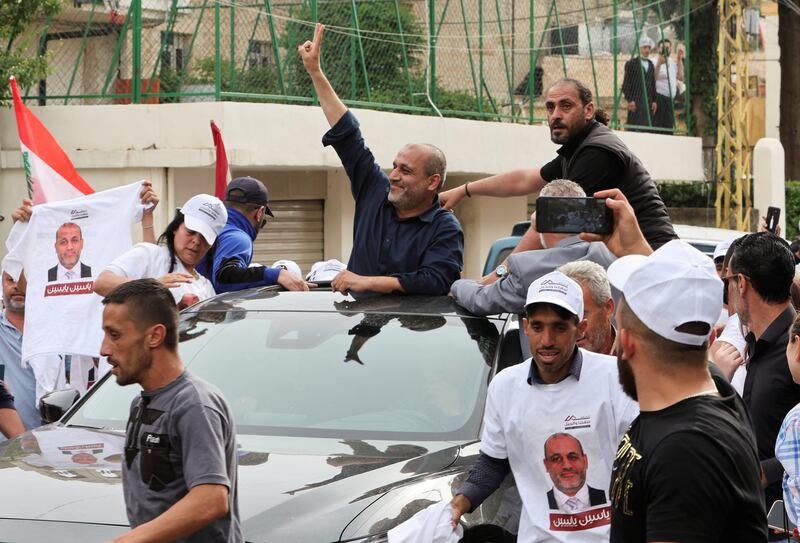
(323, 300)
(707, 234)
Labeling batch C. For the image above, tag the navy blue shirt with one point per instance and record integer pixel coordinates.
(425, 253)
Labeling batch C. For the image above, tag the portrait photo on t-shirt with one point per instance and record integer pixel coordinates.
(68, 245)
(574, 504)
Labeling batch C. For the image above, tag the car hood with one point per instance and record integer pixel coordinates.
(290, 488)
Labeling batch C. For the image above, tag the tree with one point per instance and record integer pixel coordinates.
(15, 17)
(385, 58)
(704, 25)
(789, 42)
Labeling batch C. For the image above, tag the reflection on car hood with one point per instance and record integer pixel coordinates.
(290, 488)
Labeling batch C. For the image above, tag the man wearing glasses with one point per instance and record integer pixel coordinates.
(760, 274)
(247, 201)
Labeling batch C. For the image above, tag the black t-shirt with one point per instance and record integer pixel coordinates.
(689, 473)
(604, 162)
(598, 169)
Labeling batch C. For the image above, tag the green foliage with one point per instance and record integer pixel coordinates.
(792, 208)
(249, 80)
(341, 55)
(15, 17)
(680, 194)
(702, 60)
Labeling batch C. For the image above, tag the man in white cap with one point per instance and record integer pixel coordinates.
(562, 390)
(639, 88)
(687, 469)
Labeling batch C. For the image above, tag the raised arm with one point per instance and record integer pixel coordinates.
(333, 108)
(148, 196)
(503, 185)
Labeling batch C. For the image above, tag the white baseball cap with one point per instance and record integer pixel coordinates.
(557, 289)
(205, 214)
(288, 265)
(722, 248)
(645, 40)
(675, 285)
(325, 270)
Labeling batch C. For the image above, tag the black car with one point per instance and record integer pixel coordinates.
(352, 415)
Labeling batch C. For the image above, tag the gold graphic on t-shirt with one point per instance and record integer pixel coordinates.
(620, 488)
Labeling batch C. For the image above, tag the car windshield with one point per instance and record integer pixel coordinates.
(329, 374)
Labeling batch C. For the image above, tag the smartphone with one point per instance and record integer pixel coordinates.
(773, 218)
(570, 215)
(777, 518)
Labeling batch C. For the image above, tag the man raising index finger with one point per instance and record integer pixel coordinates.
(403, 241)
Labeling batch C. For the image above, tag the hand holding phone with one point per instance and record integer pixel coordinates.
(573, 215)
(773, 218)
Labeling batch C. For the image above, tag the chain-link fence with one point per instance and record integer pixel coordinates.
(486, 59)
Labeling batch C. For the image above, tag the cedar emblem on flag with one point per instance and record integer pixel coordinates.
(223, 173)
(49, 172)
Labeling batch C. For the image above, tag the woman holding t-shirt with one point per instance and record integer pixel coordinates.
(185, 242)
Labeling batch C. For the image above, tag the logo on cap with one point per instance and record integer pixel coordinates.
(213, 210)
(548, 285)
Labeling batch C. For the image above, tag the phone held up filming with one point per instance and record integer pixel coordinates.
(572, 215)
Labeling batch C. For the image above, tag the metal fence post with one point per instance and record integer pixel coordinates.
(232, 63)
(432, 45)
(217, 53)
(531, 66)
(615, 52)
(687, 72)
(136, 64)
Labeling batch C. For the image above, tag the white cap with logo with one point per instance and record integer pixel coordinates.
(205, 214)
(675, 285)
(288, 265)
(557, 289)
(325, 270)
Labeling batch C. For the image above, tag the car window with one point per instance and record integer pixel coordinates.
(381, 376)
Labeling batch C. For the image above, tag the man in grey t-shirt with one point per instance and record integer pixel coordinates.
(179, 471)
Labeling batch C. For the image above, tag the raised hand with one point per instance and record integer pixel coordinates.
(626, 238)
(310, 50)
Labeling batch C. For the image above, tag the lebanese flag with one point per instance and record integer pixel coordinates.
(48, 170)
(223, 172)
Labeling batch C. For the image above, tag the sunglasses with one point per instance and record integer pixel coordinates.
(726, 280)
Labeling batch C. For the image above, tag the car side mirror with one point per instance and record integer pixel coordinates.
(52, 406)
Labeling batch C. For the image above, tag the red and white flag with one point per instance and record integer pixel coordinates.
(223, 172)
(49, 171)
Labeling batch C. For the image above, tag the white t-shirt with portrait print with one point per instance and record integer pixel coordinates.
(519, 418)
(65, 316)
(149, 260)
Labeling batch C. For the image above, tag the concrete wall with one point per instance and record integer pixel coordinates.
(171, 144)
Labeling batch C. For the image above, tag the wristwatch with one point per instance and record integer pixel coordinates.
(501, 271)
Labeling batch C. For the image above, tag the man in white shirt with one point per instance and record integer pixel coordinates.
(69, 244)
(668, 72)
(561, 390)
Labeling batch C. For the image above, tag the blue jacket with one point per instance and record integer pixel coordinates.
(232, 256)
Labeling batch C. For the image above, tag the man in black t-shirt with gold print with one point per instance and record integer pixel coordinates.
(687, 469)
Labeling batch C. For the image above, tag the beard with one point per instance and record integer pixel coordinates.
(408, 199)
(626, 378)
(134, 369)
(595, 339)
(12, 306)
